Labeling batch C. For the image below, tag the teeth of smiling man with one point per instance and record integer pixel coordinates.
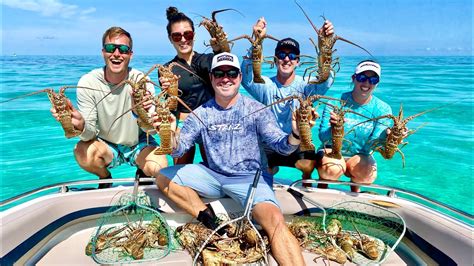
(116, 61)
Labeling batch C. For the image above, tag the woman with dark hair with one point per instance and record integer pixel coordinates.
(194, 83)
(357, 163)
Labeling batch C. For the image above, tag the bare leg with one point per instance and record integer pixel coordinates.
(285, 247)
(185, 197)
(93, 156)
(330, 169)
(149, 162)
(307, 167)
(361, 169)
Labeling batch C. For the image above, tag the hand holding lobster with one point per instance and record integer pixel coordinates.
(260, 28)
(76, 117)
(147, 102)
(327, 29)
(405, 132)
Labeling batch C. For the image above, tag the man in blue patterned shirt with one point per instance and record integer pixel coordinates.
(232, 131)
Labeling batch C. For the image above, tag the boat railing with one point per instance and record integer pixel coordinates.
(392, 192)
(65, 187)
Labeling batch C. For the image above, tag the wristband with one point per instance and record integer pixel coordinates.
(294, 135)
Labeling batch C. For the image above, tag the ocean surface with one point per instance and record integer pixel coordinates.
(439, 157)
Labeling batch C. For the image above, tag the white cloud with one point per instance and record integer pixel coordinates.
(47, 7)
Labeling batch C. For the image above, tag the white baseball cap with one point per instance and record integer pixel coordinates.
(225, 59)
(368, 66)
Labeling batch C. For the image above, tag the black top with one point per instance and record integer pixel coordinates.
(195, 85)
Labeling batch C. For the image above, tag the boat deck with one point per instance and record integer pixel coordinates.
(55, 229)
(68, 245)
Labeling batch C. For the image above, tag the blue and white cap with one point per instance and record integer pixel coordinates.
(225, 59)
(368, 65)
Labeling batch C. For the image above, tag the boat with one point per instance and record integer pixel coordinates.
(53, 224)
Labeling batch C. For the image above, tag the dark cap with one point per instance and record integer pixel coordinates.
(288, 43)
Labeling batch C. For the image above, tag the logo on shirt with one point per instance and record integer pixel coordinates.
(225, 127)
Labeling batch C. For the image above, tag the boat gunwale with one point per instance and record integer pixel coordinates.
(391, 192)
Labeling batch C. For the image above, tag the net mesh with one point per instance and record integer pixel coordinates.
(360, 232)
(131, 230)
(373, 231)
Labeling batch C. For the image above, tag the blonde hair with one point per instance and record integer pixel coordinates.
(116, 31)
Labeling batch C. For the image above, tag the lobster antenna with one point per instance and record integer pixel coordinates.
(188, 70)
(279, 101)
(26, 95)
(222, 10)
(356, 45)
(306, 15)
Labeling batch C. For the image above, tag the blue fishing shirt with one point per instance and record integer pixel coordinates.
(272, 90)
(358, 139)
(231, 137)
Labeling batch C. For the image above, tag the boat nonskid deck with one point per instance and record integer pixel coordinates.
(74, 216)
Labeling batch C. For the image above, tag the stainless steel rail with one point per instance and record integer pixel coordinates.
(64, 187)
(391, 192)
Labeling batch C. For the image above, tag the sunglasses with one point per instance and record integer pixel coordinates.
(362, 78)
(123, 49)
(281, 55)
(231, 73)
(188, 35)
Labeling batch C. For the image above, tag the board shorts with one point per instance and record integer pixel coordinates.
(276, 159)
(125, 154)
(210, 184)
(321, 152)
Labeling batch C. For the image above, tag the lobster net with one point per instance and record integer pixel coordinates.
(130, 231)
(366, 233)
(224, 246)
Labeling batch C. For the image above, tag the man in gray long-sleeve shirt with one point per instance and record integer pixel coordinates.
(106, 143)
(231, 130)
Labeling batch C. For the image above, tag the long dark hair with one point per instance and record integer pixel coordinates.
(174, 16)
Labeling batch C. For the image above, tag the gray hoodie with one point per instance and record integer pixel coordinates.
(99, 118)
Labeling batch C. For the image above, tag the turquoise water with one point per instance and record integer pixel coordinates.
(439, 157)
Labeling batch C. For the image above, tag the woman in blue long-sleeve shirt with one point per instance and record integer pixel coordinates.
(357, 162)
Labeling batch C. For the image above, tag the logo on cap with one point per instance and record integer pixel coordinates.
(288, 42)
(369, 64)
(225, 58)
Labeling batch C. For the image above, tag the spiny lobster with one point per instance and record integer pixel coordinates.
(62, 106)
(216, 31)
(256, 40)
(304, 117)
(396, 134)
(325, 64)
(337, 129)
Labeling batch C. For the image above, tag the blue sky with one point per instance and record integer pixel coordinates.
(385, 27)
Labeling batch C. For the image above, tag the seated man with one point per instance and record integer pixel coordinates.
(231, 134)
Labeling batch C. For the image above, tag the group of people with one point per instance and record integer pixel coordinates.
(235, 140)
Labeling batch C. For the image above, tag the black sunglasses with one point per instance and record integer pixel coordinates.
(188, 35)
(231, 73)
(123, 49)
(362, 78)
(281, 55)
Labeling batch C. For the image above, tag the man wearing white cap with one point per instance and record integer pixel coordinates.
(231, 132)
(357, 163)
